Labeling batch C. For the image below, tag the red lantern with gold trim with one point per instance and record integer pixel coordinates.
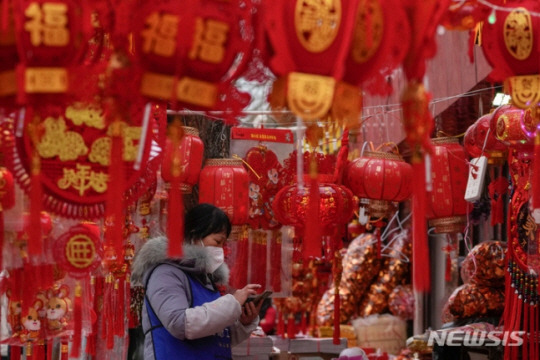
(225, 184)
(191, 149)
(446, 207)
(512, 125)
(380, 176)
(480, 140)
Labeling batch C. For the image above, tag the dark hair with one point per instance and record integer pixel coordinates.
(203, 220)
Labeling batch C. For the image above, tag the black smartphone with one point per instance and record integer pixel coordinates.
(260, 297)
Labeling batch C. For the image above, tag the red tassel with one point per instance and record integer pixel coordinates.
(15, 353)
(275, 255)
(114, 211)
(379, 244)
(281, 325)
(64, 349)
(175, 220)
(77, 323)
(258, 258)
(312, 236)
(303, 323)
(38, 352)
(1, 238)
(239, 262)
(50, 345)
(34, 232)
(448, 269)
(119, 311)
(291, 327)
(526, 340)
(337, 304)
(421, 275)
(535, 181)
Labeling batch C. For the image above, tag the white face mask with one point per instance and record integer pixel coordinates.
(216, 257)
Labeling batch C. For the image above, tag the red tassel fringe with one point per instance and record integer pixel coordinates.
(275, 255)
(421, 275)
(291, 327)
(258, 258)
(35, 246)
(535, 181)
(312, 236)
(337, 304)
(114, 207)
(175, 219)
(77, 323)
(281, 325)
(239, 263)
(15, 353)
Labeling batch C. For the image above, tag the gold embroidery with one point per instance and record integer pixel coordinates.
(310, 96)
(518, 33)
(100, 151)
(82, 179)
(45, 80)
(317, 23)
(210, 39)
(84, 115)
(80, 251)
(101, 148)
(160, 34)
(67, 145)
(47, 24)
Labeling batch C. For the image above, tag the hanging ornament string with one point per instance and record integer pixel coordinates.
(175, 213)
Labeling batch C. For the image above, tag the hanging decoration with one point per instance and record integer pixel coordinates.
(465, 15)
(191, 53)
(73, 150)
(424, 17)
(8, 60)
(446, 207)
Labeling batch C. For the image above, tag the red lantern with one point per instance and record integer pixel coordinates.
(512, 125)
(336, 206)
(379, 176)
(446, 206)
(481, 140)
(191, 149)
(510, 42)
(225, 184)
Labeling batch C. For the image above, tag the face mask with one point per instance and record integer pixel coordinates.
(215, 258)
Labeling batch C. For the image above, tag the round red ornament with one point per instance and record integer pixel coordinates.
(511, 125)
(191, 149)
(481, 140)
(78, 251)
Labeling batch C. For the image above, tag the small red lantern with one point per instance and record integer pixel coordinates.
(336, 206)
(512, 125)
(446, 206)
(225, 184)
(191, 149)
(379, 176)
(481, 140)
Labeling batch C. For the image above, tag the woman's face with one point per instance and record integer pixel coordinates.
(215, 239)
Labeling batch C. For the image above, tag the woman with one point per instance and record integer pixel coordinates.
(184, 316)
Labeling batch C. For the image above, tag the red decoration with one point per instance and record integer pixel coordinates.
(480, 140)
(73, 149)
(51, 38)
(447, 208)
(78, 251)
(191, 52)
(379, 175)
(465, 15)
(224, 183)
(509, 44)
(511, 125)
(335, 206)
(191, 150)
(8, 59)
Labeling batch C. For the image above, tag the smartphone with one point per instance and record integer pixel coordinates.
(260, 297)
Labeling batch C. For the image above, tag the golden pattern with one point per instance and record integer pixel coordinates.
(88, 116)
(8, 83)
(317, 23)
(47, 24)
(80, 251)
(45, 80)
(518, 33)
(363, 48)
(101, 148)
(58, 141)
(310, 96)
(524, 90)
(83, 178)
(160, 34)
(209, 41)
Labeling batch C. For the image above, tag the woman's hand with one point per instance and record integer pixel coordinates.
(241, 295)
(249, 312)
